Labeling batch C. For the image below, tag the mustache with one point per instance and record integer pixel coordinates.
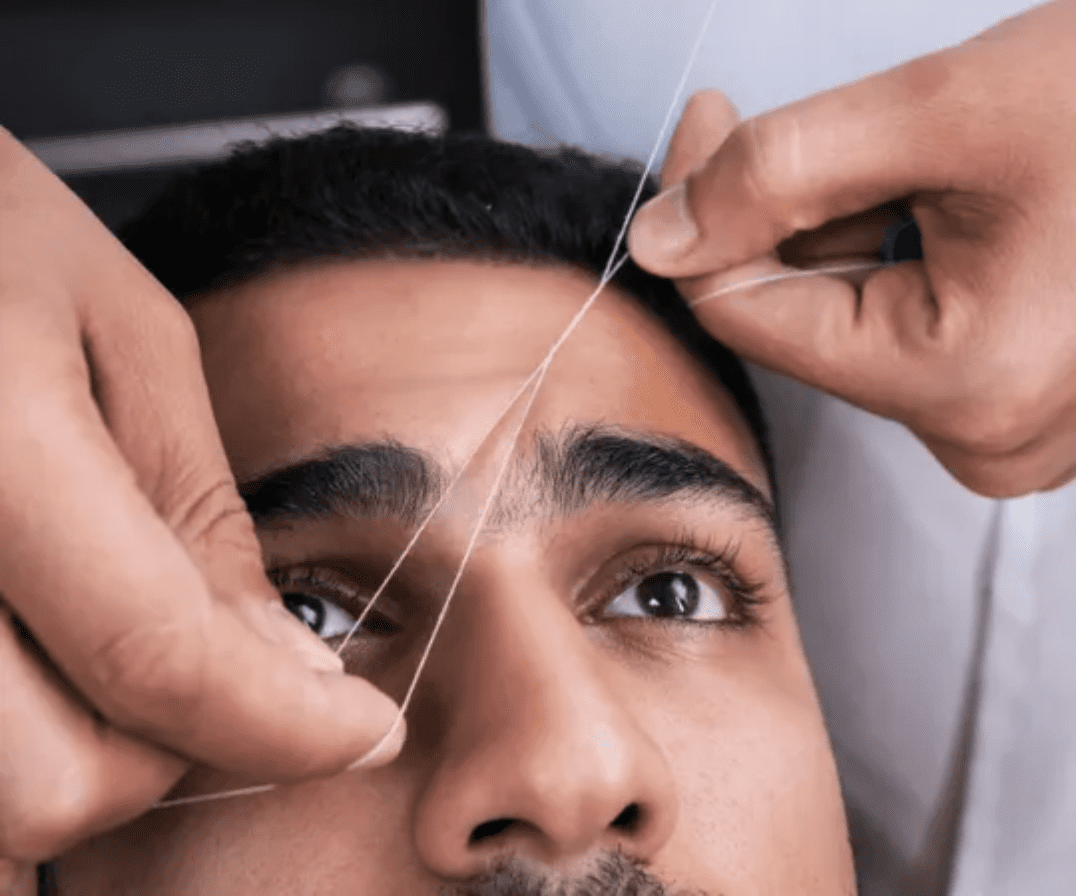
(613, 874)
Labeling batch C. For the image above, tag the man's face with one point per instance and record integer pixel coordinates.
(618, 688)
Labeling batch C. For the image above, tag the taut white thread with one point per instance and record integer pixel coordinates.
(688, 66)
(539, 374)
(612, 266)
(220, 795)
(850, 268)
(491, 496)
(425, 522)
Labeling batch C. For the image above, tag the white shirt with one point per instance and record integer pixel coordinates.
(941, 626)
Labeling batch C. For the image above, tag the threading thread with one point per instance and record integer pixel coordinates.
(850, 268)
(427, 519)
(537, 374)
(220, 795)
(607, 274)
(612, 266)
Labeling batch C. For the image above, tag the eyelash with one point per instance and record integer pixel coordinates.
(686, 555)
(332, 584)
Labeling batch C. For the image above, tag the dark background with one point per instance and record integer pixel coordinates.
(93, 65)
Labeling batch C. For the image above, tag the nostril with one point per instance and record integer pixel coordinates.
(629, 819)
(490, 829)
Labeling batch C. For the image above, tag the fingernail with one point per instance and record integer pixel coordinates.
(386, 749)
(663, 229)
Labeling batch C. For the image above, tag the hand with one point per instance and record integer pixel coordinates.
(974, 348)
(137, 630)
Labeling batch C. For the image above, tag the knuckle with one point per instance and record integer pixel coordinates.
(987, 401)
(988, 476)
(990, 429)
(177, 326)
(201, 514)
(770, 154)
(921, 82)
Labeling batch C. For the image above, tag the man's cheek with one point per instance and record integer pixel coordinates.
(759, 800)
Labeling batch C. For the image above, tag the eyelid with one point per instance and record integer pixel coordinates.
(685, 555)
(332, 584)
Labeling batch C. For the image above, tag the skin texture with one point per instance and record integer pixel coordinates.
(543, 705)
(117, 506)
(126, 548)
(972, 348)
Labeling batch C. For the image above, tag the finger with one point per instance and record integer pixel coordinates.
(709, 117)
(166, 432)
(143, 360)
(830, 156)
(65, 774)
(147, 377)
(856, 336)
(113, 597)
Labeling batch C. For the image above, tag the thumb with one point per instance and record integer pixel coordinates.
(793, 169)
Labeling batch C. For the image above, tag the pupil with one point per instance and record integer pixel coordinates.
(669, 594)
(307, 609)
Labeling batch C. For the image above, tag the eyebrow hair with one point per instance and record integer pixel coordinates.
(571, 471)
(372, 479)
(600, 464)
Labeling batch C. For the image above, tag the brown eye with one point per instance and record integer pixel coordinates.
(670, 595)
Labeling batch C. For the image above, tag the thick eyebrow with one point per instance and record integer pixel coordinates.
(567, 473)
(590, 465)
(372, 479)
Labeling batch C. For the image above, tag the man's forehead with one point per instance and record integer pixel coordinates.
(430, 352)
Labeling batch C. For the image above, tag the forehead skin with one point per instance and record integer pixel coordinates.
(724, 730)
(435, 358)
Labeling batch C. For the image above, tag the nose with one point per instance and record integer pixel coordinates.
(539, 752)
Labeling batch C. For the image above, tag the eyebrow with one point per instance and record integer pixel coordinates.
(591, 465)
(570, 472)
(372, 479)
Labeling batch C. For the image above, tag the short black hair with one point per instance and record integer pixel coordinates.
(374, 193)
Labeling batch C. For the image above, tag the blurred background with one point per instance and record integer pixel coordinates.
(117, 95)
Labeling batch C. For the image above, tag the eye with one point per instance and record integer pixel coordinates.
(670, 595)
(329, 602)
(324, 618)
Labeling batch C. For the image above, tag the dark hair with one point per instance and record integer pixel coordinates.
(372, 193)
